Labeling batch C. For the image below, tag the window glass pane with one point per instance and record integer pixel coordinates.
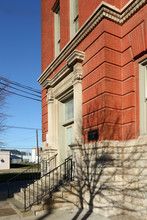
(76, 24)
(76, 17)
(76, 9)
(57, 33)
(69, 109)
(68, 135)
(146, 82)
(58, 24)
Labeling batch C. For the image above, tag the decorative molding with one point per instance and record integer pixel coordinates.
(104, 10)
(50, 97)
(77, 74)
(60, 75)
(57, 78)
(46, 84)
(75, 57)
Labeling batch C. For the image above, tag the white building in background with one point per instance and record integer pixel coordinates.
(15, 156)
(4, 160)
(35, 154)
(26, 157)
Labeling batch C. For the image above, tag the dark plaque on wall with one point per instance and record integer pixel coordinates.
(93, 135)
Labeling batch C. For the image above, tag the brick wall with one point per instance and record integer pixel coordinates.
(110, 82)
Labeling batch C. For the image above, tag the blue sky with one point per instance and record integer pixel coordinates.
(20, 61)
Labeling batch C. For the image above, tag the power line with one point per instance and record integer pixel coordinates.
(20, 85)
(17, 148)
(19, 90)
(17, 127)
(7, 148)
(21, 95)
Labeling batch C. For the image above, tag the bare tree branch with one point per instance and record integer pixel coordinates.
(3, 96)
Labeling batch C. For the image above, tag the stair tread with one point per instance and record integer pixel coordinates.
(19, 208)
(53, 182)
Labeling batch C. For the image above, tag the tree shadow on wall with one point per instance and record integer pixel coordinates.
(107, 175)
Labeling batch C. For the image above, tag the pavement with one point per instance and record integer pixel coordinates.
(7, 213)
(73, 214)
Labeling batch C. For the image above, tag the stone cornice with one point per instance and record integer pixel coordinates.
(57, 78)
(104, 10)
(75, 57)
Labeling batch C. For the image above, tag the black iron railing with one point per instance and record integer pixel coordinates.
(30, 175)
(49, 183)
(48, 165)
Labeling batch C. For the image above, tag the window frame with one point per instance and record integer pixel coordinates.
(143, 96)
(56, 10)
(74, 17)
(65, 124)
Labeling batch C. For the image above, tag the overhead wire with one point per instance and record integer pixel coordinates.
(17, 148)
(22, 95)
(20, 85)
(19, 89)
(19, 127)
(7, 83)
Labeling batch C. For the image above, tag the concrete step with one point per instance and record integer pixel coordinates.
(19, 208)
(33, 188)
(56, 202)
(40, 189)
(20, 198)
(31, 197)
(51, 204)
(46, 182)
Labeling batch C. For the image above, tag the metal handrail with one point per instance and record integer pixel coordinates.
(48, 162)
(68, 157)
(49, 183)
(33, 174)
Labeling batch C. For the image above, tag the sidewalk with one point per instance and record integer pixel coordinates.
(7, 213)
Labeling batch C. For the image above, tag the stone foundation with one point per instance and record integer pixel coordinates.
(112, 177)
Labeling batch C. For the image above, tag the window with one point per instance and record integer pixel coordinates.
(145, 69)
(56, 10)
(74, 17)
(68, 120)
(66, 123)
(143, 96)
(69, 111)
(68, 135)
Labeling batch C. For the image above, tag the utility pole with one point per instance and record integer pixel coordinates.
(37, 147)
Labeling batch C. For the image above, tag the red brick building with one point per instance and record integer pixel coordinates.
(94, 76)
